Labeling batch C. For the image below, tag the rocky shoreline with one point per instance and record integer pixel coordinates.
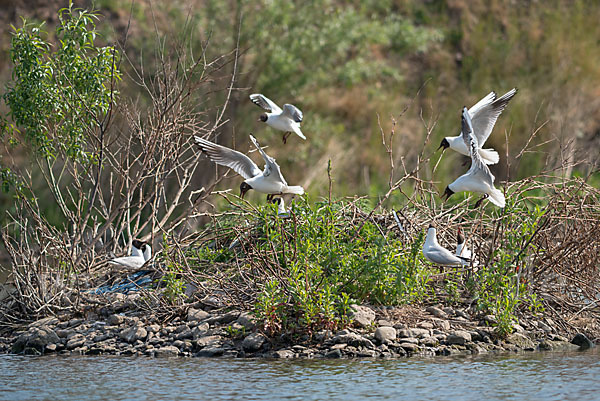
(376, 332)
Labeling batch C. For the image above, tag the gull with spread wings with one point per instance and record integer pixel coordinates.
(484, 115)
(269, 181)
(287, 120)
(479, 178)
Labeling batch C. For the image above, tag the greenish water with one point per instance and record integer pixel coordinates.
(533, 376)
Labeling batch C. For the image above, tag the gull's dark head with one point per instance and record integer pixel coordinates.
(141, 245)
(444, 144)
(263, 117)
(244, 187)
(447, 193)
(431, 225)
(276, 201)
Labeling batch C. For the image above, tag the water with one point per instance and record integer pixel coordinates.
(535, 376)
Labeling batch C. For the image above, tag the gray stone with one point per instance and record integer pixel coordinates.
(336, 353)
(211, 351)
(153, 328)
(76, 341)
(246, 320)
(415, 332)
(385, 333)
(339, 346)
(200, 330)
(35, 340)
(441, 324)
(253, 342)
(367, 353)
(51, 348)
(362, 315)
(458, 337)
(196, 315)
(65, 333)
(208, 340)
(425, 325)
(582, 341)
(383, 322)
(322, 335)
(133, 334)
(437, 312)
(520, 341)
(167, 351)
(284, 354)
(409, 347)
(353, 339)
(115, 320)
(428, 342)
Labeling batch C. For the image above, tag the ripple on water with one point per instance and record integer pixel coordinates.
(535, 376)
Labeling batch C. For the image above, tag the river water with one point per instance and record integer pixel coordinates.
(531, 376)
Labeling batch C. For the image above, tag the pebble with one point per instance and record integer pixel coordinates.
(385, 333)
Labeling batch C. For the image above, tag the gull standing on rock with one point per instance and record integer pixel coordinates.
(479, 178)
(269, 181)
(484, 115)
(140, 254)
(287, 120)
(439, 255)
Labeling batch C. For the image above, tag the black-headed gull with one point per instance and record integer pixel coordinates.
(484, 115)
(462, 250)
(287, 120)
(437, 254)
(269, 181)
(140, 254)
(479, 178)
(281, 212)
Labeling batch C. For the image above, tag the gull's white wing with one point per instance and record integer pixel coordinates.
(264, 102)
(484, 117)
(485, 101)
(442, 256)
(238, 162)
(272, 170)
(478, 166)
(292, 112)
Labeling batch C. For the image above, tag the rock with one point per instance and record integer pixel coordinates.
(520, 341)
(382, 322)
(208, 340)
(115, 320)
(409, 347)
(367, 353)
(363, 316)
(412, 340)
(65, 333)
(284, 354)
(185, 334)
(458, 337)
(385, 333)
(168, 351)
(153, 328)
(582, 341)
(75, 322)
(437, 312)
(441, 324)
(544, 327)
(51, 348)
(416, 332)
(35, 340)
(518, 328)
(211, 351)
(200, 330)
(246, 320)
(196, 315)
(253, 342)
(428, 342)
(353, 339)
(133, 334)
(76, 341)
(425, 325)
(339, 346)
(178, 344)
(336, 353)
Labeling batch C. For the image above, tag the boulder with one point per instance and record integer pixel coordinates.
(253, 342)
(520, 341)
(167, 351)
(284, 354)
(208, 340)
(458, 337)
(582, 341)
(133, 334)
(385, 333)
(35, 340)
(363, 316)
(200, 330)
(353, 339)
(196, 315)
(246, 320)
(437, 312)
(76, 341)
